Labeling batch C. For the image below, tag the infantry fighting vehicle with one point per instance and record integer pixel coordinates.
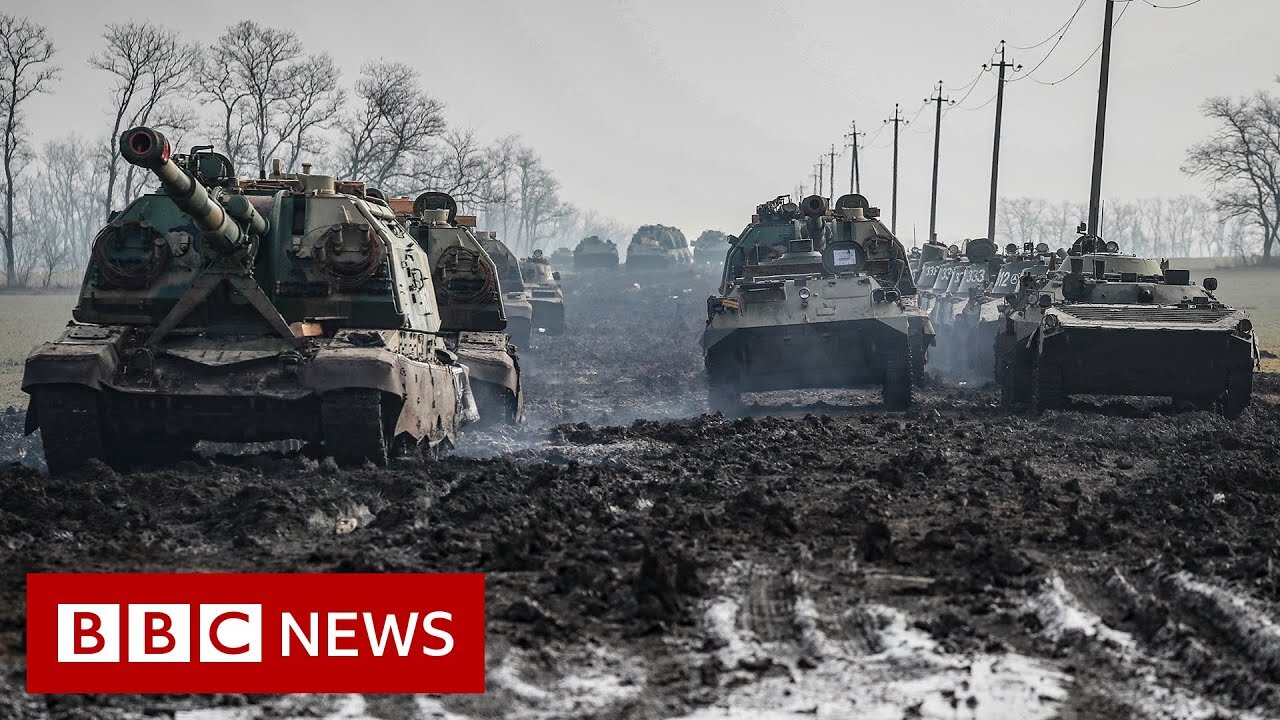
(814, 299)
(658, 247)
(545, 293)
(970, 280)
(1107, 323)
(980, 318)
(515, 296)
(710, 247)
(246, 310)
(473, 322)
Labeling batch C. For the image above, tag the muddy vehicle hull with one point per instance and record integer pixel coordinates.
(494, 370)
(519, 312)
(644, 259)
(548, 315)
(1202, 356)
(363, 395)
(794, 357)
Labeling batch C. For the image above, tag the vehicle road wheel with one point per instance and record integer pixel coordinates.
(1046, 386)
(1239, 393)
(70, 427)
(353, 426)
(895, 392)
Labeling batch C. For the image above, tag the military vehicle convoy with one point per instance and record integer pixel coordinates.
(515, 296)
(658, 247)
(1107, 323)
(975, 327)
(811, 298)
(562, 257)
(473, 321)
(545, 293)
(594, 252)
(294, 306)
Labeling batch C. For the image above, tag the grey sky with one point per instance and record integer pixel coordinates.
(690, 113)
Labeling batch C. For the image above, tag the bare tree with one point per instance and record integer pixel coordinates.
(1241, 160)
(26, 68)
(393, 126)
(459, 165)
(271, 97)
(152, 68)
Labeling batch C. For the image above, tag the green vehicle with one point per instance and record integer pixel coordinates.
(473, 321)
(1107, 323)
(516, 298)
(594, 252)
(545, 293)
(710, 247)
(658, 247)
(812, 299)
(294, 306)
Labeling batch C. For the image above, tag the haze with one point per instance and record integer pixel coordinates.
(690, 113)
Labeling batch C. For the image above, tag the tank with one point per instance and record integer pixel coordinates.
(545, 293)
(711, 247)
(1107, 323)
(473, 321)
(658, 247)
(515, 296)
(811, 298)
(595, 252)
(292, 307)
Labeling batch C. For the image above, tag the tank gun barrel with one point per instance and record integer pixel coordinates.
(149, 149)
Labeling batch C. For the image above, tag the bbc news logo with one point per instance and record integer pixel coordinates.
(246, 633)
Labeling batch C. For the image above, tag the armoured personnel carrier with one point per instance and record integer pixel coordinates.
(658, 247)
(246, 310)
(473, 322)
(710, 247)
(515, 296)
(1107, 323)
(935, 278)
(810, 299)
(545, 293)
(594, 252)
(970, 280)
(981, 317)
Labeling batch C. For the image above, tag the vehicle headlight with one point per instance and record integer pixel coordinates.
(1051, 322)
(1245, 326)
(805, 293)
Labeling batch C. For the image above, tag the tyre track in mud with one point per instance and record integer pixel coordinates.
(1112, 560)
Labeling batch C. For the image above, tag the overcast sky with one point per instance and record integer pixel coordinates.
(691, 112)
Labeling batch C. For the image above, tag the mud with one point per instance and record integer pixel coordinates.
(817, 558)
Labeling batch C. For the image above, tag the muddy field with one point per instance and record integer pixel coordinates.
(817, 558)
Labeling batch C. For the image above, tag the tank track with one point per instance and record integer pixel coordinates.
(70, 427)
(353, 427)
(1046, 386)
(895, 391)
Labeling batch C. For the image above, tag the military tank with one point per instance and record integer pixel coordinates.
(473, 321)
(1107, 323)
(813, 299)
(658, 247)
(545, 293)
(219, 309)
(516, 299)
(594, 252)
(710, 247)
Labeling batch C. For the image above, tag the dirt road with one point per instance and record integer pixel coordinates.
(825, 560)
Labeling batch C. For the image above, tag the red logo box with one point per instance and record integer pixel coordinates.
(255, 633)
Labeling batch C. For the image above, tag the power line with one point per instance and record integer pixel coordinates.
(1065, 29)
(1165, 7)
(1080, 67)
(1056, 33)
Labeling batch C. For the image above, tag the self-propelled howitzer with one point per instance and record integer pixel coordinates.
(294, 306)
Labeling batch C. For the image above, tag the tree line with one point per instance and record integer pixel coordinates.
(257, 94)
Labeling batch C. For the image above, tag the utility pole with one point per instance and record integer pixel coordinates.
(822, 169)
(937, 141)
(995, 148)
(1099, 132)
(897, 121)
(831, 170)
(855, 181)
